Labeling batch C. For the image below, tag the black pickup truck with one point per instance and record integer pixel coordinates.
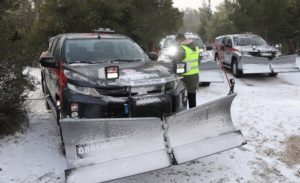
(121, 113)
(107, 75)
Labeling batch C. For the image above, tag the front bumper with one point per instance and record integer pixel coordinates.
(148, 105)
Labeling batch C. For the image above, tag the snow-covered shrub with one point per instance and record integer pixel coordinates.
(13, 84)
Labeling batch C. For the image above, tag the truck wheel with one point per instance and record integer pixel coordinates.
(204, 84)
(45, 91)
(216, 57)
(60, 132)
(58, 117)
(63, 149)
(235, 70)
(273, 74)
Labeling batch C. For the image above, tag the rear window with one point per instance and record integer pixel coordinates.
(102, 50)
(198, 42)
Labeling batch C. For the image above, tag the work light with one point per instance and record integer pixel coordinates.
(112, 72)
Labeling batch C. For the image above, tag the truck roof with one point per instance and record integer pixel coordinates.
(242, 35)
(90, 36)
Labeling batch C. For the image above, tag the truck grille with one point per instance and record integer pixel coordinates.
(268, 54)
(133, 91)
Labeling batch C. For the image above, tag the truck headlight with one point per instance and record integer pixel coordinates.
(84, 90)
(171, 51)
(74, 75)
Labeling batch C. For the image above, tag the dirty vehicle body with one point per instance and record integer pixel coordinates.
(250, 54)
(210, 71)
(121, 114)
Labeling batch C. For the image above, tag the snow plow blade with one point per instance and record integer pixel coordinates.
(285, 64)
(210, 72)
(99, 150)
(255, 65)
(203, 130)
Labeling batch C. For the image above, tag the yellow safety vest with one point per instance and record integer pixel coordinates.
(192, 60)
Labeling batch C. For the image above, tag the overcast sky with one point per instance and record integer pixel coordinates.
(182, 4)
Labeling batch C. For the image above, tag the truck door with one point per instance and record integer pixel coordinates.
(47, 70)
(51, 74)
(54, 75)
(228, 50)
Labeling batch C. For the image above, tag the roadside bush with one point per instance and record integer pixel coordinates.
(13, 87)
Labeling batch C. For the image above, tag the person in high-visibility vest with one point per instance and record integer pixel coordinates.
(189, 53)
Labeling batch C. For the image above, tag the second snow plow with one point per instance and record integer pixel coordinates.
(281, 64)
(251, 54)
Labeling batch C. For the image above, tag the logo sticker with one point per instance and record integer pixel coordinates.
(90, 149)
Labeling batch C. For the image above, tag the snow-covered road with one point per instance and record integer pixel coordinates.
(266, 110)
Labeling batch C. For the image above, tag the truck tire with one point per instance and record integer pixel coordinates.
(45, 91)
(273, 74)
(63, 149)
(58, 117)
(235, 70)
(216, 57)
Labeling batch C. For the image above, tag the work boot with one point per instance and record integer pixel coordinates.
(192, 99)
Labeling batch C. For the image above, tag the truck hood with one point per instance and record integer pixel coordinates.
(82, 74)
(262, 48)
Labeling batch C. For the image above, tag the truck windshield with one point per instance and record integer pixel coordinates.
(197, 41)
(102, 50)
(249, 41)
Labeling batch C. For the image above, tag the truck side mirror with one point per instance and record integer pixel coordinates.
(48, 61)
(208, 48)
(153, 56)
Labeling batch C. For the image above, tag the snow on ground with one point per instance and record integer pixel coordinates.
(266, 110)
(34, 156)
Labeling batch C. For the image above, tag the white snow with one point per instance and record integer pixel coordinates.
(266, 110)
(34, 156)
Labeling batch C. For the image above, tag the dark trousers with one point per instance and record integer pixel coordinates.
(192, 99)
